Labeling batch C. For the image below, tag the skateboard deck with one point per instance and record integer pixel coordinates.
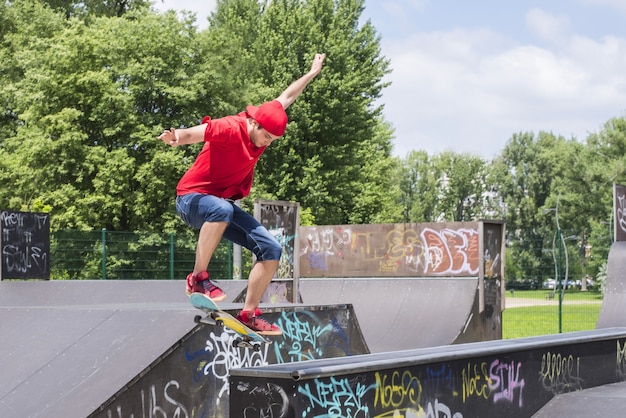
(215, 316)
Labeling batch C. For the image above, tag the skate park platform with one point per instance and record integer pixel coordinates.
(513, 378)
(131, 348)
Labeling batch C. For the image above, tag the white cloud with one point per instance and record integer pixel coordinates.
(469, 91)
(202, 8)
(548, 27)
(619, 5)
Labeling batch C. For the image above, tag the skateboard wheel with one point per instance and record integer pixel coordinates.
(219, 323)
(256, 347)
(197, 319)
(237, 342)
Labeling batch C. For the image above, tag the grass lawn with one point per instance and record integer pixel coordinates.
(569, 294)
(543, 320)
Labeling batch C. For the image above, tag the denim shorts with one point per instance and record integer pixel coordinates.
(195, 209)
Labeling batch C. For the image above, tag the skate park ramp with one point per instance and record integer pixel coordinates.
(132, 348)
(510, 378)
(608, 401)
(399, 314)
(77, 343)
(612, 313)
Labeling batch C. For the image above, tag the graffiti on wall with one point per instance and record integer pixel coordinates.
(282, 220)
(194, 380)
(515, 384)
(390, 250)
(25, 239)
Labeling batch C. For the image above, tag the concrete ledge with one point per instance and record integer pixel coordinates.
(512, 378)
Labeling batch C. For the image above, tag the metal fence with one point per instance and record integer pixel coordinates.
(539, 305)
(114, 255)
(554, 285)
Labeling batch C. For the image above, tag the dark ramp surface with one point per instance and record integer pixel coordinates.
(507, 378)
(69, 346)
(613, 312)
(401, 314)
(607, 401)
(108, 349)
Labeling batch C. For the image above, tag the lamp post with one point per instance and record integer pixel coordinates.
(560, 277)
(557, 261)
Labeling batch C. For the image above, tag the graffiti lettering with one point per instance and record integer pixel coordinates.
(266, 401)
(338, 397)
(559, 373)
(440, 410)
(476, 381)
(226, 357)
(621, 212)
(505, 380)
(451, 251)
(21, 259)
(395, 249)
(153, 407)
(300, 338)
(397, 390)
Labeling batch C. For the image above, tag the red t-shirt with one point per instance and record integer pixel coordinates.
(225, 166)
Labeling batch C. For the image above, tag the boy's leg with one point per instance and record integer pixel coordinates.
(260, 277)
(208, 240)
(211, 215)
(249, 233)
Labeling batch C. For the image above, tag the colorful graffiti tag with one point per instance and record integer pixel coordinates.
(390, 250)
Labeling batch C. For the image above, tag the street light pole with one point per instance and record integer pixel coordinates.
(558, 271)
(559, 276)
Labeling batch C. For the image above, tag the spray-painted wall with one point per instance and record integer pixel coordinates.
(492, 379)
(398, 250)
(192, 378)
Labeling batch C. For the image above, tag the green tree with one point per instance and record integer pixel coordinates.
(532, 172)
(320, 162)
(463, 180)
(96, 8)
(92, 100)
(446, 187)
(604, 158)
(419, 187)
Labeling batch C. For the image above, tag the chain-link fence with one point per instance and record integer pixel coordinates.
(113, 255)
(540, 299)
(554, 284)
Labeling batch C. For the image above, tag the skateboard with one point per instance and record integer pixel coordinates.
(215, 316)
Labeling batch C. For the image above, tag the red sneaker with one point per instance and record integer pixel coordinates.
(200, 283)
(254, 321)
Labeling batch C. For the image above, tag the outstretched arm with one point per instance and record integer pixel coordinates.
(292, 92)
(175, 137)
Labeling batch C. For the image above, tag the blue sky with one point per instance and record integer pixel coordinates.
(466, 76)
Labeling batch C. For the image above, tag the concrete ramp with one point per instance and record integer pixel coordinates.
(614, 302)
(510, 378)
(607, 401)
(400, 314)
(131, 348)
(65, 351)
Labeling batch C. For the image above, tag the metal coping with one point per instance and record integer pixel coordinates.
(380, 361)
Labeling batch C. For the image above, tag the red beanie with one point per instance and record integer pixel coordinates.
(271, 116)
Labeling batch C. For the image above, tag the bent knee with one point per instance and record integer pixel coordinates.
(221, 211)
(270, 251)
